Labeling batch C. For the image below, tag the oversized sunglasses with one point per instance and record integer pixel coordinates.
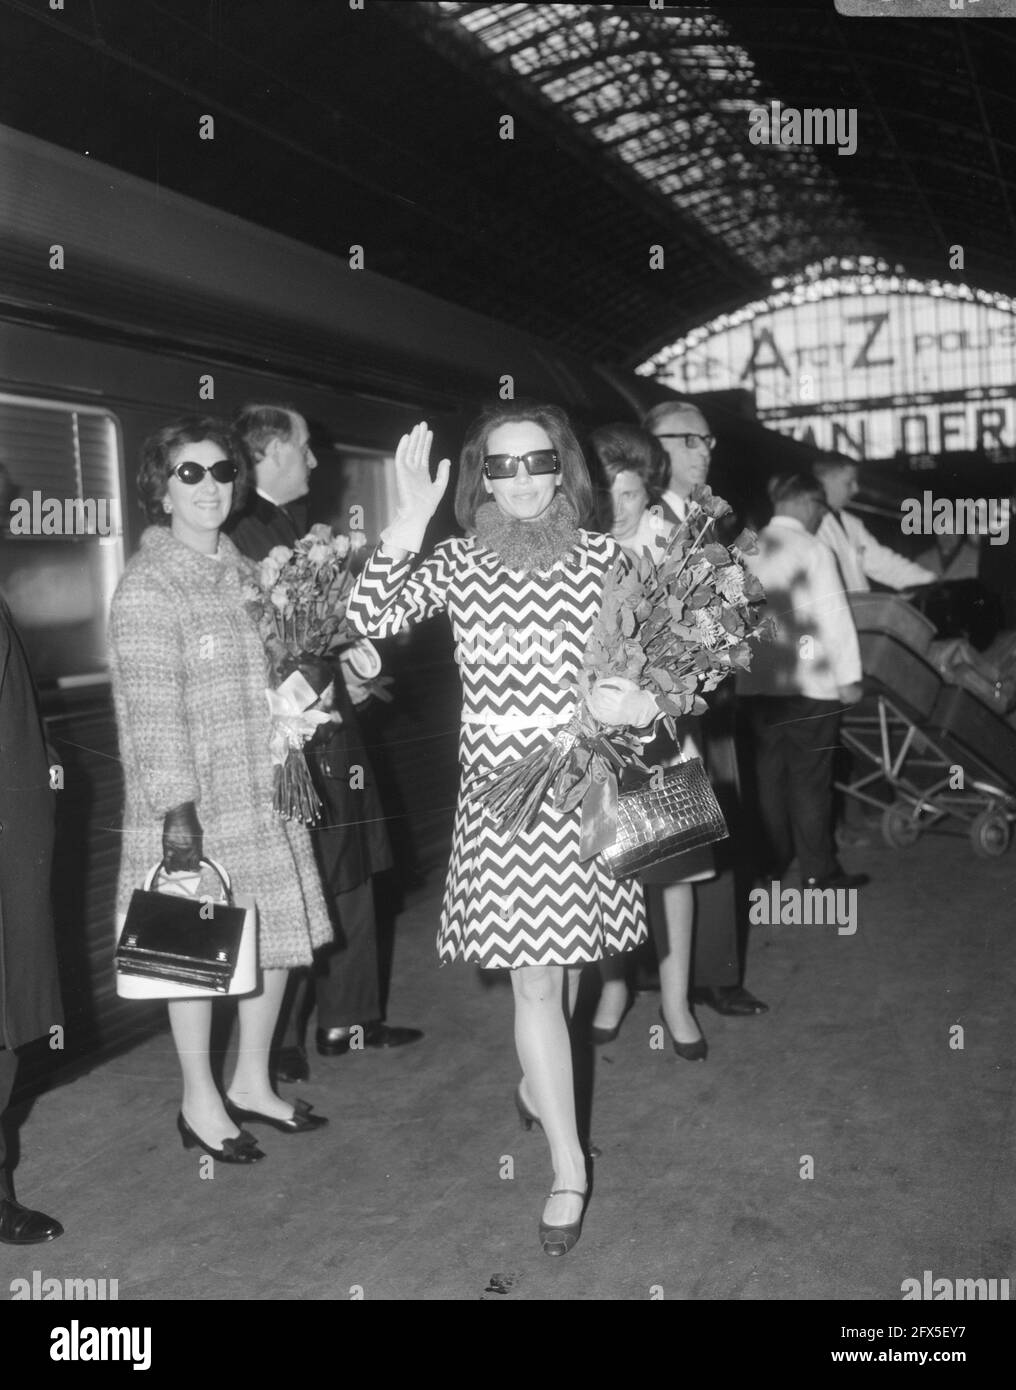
(507, 465)
(222, 470)
(691, 440)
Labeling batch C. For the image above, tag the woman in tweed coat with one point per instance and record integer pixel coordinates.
(189, 679)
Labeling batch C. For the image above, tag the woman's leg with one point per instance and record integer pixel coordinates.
(544, 1047)
(572, 981)
(190, 1021)
(676, 905)
(613, 992)
(251, 1087)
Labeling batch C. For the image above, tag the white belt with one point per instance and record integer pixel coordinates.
(518, 721)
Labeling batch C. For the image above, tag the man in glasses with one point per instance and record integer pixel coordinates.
(682, 430)
(717, 968)
(351, 843)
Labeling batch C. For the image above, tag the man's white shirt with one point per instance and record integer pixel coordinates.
(862, 558)
(815, 651)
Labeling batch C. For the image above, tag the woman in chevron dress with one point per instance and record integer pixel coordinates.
(521, 590)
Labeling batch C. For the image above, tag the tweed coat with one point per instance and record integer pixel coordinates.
(29, 992)
(189, 679)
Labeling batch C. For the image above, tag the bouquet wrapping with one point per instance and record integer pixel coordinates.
(675, 623)
(298, 600)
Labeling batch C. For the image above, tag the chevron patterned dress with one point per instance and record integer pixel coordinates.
(520, 636)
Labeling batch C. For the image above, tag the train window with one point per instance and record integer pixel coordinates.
(354, 490)
(61, 537)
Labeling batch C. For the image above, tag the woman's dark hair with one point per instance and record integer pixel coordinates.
(626, 448)
(470, 492)
(157, 461)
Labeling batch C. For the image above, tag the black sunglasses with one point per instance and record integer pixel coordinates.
(222, 470)
(507, 465)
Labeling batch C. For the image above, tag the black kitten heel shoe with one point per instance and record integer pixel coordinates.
(599, 1036)
(558, 1240)
(242, 1149)
(527, 1118)
(691, 1052)
(299, 1122)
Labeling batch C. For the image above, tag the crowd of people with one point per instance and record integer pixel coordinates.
(542, 529)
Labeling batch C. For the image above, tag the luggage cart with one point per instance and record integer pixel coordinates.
(934, 752)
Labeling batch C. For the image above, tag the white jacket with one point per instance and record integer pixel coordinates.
(861, 557)
(815, 652)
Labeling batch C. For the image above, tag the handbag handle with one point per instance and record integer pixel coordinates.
(217, 868)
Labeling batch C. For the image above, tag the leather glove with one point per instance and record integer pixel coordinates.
(617, 700)
(182, 839)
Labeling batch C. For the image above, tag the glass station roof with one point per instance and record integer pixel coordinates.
(666, 95)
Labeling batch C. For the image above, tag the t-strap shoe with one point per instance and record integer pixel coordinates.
(558, 1240)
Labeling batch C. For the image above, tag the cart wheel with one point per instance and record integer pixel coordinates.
(899, 829)
(990, 834)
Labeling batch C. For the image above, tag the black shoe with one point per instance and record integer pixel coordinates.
(21, 1226)
(299, 1122)
(558, 1240)
(732, 1000)
(242, 1149)
(290, 1064)
(841, 879)
(336, 1042)
(607, 1035)
(697, 1051)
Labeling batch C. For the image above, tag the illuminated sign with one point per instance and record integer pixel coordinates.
(870, 365)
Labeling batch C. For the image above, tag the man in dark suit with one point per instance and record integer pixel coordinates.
(29, 991)
(351, 843)
(717, 970)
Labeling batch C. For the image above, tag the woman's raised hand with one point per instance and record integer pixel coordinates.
(418, 494)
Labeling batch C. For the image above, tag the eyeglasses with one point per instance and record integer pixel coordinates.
(222, 470)
(691, 441)
(507, 465)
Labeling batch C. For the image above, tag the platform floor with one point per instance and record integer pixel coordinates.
(424, 1186)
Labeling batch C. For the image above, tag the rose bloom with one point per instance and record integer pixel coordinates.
(320, 553)
(280, 598)
(279, 554)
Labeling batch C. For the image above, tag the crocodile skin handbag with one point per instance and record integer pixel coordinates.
(655, 822)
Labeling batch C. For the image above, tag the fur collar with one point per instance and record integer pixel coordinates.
(529, 545)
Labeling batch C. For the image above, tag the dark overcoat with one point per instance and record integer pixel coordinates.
(351, 843)
(29, 989)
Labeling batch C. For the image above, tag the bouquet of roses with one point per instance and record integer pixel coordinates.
(676, 625)
(299, 603)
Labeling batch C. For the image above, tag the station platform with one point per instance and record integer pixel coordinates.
(424, 1187)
